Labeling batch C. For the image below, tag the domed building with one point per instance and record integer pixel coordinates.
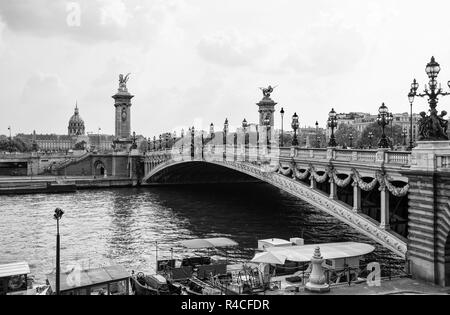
(76, 124)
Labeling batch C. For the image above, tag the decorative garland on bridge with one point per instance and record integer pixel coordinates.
(265, 167)
(300, 175)
(319, 178)
(396, 191)
(341, 182)
(286, 171)
(362, 184)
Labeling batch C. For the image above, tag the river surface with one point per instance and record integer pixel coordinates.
(122, 225)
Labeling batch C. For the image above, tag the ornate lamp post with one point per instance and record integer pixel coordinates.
(332, 123)
(370, 136)
(154, 143)
(149, 144)
(282, 127)
(10, 139)
(391, 119)
(295, 125)
(98, 136)
(404, 134)
(192, 142)
(134, 145)
(244, 127)
(411, 101)
(383, 120)
(432, 127)
(182, 141)
(225, 132)
(317, 135)
(160, 142)
(57, 216)
(350, 137)
(211, 131)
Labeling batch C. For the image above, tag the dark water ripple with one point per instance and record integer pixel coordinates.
(122, 225)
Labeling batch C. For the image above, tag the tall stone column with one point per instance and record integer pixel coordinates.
(384, 208)
(313, 182)
(356, 197)
(333, 189)
(122, 104)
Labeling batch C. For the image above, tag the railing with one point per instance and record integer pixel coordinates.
(344, 155)
(263, 153)
(347, 275)
(402, 158)
(366, 156)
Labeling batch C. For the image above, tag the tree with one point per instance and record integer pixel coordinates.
(393, 133)
(80, 145)
(342, 135)
(16, 144)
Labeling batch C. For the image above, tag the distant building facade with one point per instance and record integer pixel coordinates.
(360, 121)
(76, 135)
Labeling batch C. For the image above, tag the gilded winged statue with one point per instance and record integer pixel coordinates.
(268, 90)
(124, 79)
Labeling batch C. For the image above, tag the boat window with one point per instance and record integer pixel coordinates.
(17, 283)
(329, 262)
(100, 290)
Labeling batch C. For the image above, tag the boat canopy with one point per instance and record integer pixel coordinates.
(304, 253)
(208, 243)
(87, 278)
(14, 269)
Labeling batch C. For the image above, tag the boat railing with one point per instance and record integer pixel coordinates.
(347, 275)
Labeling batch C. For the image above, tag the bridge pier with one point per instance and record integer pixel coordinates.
(429, 212)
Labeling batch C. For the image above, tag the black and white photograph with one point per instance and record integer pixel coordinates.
(240, 153)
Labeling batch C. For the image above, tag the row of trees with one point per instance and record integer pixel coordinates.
(362, 140)
(15, 144)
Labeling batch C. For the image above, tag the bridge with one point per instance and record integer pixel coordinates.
(400, 199)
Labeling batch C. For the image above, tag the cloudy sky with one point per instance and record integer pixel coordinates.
(198, 61)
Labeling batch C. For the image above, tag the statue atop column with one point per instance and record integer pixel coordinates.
(123, 82)
(268, 90)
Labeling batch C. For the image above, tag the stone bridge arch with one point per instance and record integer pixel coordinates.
(274, 176)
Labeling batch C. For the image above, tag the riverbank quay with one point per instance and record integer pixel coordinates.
(398, 286)
(55, 184)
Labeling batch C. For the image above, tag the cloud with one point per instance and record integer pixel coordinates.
(325, 50)
(100, 20)
(44, 96)
(230, 48)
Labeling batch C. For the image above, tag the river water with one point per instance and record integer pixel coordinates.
(122, 225)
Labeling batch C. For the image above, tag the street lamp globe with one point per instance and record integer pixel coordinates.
(383, 110)
(332, 114)
(244, 124)
(432, 69)
(225, 125)
(414, 86)
(411, 96)
(58, 214)
(295, 123)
